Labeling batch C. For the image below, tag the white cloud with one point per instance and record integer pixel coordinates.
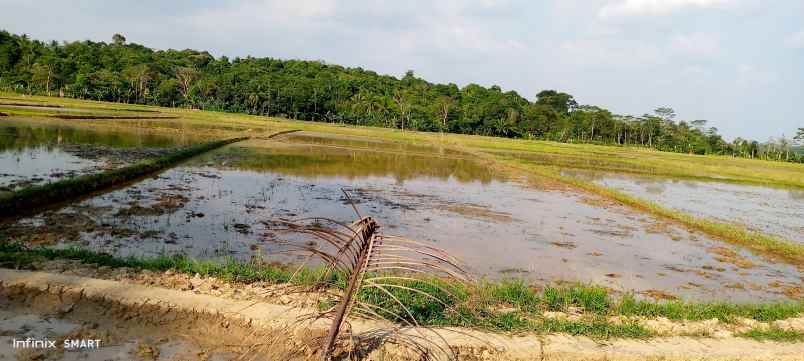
(696, 44)
(620, 8)
(749, 75)
(252, 14)
(796, 40)
(695, 72)
(611, 54)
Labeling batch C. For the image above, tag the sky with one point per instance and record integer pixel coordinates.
(737, 63)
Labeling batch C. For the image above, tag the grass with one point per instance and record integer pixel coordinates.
(774, 334)
(725, 312)
(53, 111)
(33, 197)
(505, 306)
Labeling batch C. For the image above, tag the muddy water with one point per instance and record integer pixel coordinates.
(36, 152)
(214, 207)
(769, 210)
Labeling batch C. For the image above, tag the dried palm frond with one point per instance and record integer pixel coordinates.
(379, 275)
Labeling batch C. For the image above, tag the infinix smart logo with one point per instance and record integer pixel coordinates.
(45, 343)
(32, 343)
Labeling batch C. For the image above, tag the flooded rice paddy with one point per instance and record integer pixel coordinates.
(221, 204)
(39, 152)
(768, 210)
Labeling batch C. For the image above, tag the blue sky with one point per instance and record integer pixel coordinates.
(737, 63)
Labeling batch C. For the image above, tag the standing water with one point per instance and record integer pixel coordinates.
(221, 205)
(774, 211)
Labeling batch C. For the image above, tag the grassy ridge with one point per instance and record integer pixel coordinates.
(42, 195)
(774, 334)
(509, 306)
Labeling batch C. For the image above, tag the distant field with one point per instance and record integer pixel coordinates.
(598, 157)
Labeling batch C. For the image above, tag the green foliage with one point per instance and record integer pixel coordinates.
(679, 310)
(596, 327)
(425, 301)
(590, 298)
(313, 90)
(516, 293)
(774, 334)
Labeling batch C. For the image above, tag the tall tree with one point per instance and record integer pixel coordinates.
(118, 39)
(186, 77)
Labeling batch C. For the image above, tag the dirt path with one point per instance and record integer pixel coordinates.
(144, 321)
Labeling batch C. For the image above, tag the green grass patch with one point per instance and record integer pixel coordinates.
(774, 334)
(726, 312)
(595, 327)
(33, 197)
(589, 298)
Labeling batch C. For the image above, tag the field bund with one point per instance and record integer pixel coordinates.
(131, 301)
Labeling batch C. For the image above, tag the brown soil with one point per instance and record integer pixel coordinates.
(567, 244)
(141, 331)
(727, 255)
(474, 211)
(148, 323)
(68, 227)
(659, 295)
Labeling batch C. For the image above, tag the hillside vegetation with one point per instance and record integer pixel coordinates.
(313, 90)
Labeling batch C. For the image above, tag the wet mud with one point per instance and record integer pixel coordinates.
(222, 204)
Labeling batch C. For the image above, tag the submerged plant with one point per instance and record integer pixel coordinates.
(375, 276)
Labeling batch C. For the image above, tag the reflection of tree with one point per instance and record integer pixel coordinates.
(655, 187)
(19, 137)
(312, 161)
(796, 194)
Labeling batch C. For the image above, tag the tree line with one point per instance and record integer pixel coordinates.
(313, 90)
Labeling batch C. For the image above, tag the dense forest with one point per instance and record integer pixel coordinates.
(313, 90)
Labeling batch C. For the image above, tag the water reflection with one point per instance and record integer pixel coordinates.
(770, 210)
(34, 153)
(217, 205)
(312, 162)
(18, 135)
